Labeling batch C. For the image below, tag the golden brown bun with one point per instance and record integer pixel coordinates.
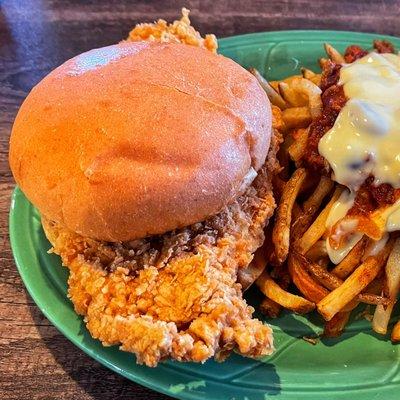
(139, 138)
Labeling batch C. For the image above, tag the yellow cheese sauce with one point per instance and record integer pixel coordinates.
(365, 139)
(376, 246)
(338, 211)
(393, 221)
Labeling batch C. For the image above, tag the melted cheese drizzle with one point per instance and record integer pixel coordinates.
(365, 139)
(338, 211)
(376, 246)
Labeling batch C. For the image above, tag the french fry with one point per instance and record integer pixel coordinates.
(293, 97)
(335, 326)
(307, 73)
(351, 261)
(354, 284)
(318, 251)
(310, 289)
(281, 230)
(332, 282)
(311, 76)
(311, 206)
(275, 98)
(396, 333)
(298, 146)
(274, 85)
(291, 78)
(322, 62)
(318, 227)
(373, 226)
(284, 159)
(333, 54)
(373, 299)
(288, 300)
(316, 79)
(377, 222)
(322, 276)
(287, 80)
(374, 247)
(364, 224)
(247, 276)
(392, 269)
(270, 308)
(309, 184)
(296, 117)
(311, 91)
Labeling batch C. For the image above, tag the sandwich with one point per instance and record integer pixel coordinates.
(150, 163)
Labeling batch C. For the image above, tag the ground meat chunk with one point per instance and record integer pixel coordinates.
(353, 53)
(383, 46)
(333, 100)
(330, 75)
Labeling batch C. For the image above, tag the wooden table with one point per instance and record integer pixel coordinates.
(36, 361)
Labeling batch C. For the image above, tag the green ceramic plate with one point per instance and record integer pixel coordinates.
(360, 365)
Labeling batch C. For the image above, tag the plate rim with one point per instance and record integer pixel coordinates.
(294, 32)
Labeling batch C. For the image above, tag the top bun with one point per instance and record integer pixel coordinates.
(139, 138)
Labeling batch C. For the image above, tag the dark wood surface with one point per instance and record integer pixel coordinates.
(36, 361)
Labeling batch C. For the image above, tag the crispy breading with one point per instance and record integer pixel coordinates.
(177, 32)
(189, 308)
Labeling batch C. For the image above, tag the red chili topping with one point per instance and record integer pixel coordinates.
(333, 100)
(383, 46)
(353, 53)
(368, 197)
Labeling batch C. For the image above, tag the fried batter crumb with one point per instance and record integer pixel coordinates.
(179, 31)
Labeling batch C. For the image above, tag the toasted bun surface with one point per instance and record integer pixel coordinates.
(139, 138)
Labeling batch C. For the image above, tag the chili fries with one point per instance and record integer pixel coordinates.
(300, 233)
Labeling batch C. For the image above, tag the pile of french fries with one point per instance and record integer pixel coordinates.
(296, 272)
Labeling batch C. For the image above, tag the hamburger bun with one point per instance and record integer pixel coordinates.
(139, 138)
